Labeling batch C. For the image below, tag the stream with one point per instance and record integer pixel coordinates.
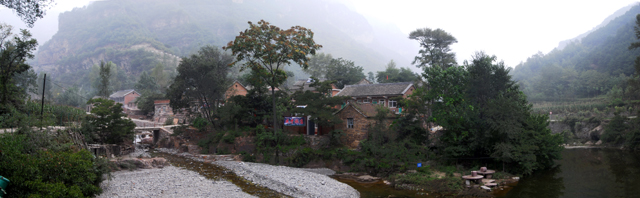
(214, 172)
(583, 173)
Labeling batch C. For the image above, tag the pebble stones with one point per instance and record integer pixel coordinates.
(167, 182)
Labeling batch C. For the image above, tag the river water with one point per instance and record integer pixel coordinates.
(584, 173)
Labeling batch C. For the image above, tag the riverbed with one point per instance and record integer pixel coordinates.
(584, 173)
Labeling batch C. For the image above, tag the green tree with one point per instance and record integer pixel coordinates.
(393, 74)
(150, 91)
(486, 115)
(106, 124)
(271, 48)
(435, 48)
(28, 10)
(14, 52)
(344, 72)
(104, 78)
(635, 83)
(201, 78)
(71, 97)
(371, 77)
(319, 103)
(318, 65)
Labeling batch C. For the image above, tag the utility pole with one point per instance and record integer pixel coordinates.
(44, 83)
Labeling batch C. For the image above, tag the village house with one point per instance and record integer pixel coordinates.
(304, 85)
(359, 110)
(384, 94)
(162, 111)
(236, 89)
(357, 118)
(126, 97)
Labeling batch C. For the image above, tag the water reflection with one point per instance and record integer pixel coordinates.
(540, 184)
(585, 173)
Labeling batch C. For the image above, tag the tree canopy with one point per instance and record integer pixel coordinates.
(435, 48)
(28, 10)
(201, 78)
(344, 72)
(265, 46)
(14, 52)
(107, 124)
(392, 74)
(486, 115)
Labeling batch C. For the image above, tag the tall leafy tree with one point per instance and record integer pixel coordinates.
(318, 65)
(103, 85)
(435, 48)
(635, 82)
(107, 123)
(202, 78)
(344, 72)
(14, 52)
(486, 115)
(267, 46)
(28, 10)
(320, 104)
(393, 74)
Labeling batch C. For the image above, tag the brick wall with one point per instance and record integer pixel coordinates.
(353, 136)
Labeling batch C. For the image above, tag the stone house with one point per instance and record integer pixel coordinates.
(162, 111)
(384, 94)
(357, 119)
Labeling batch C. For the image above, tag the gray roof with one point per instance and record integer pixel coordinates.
(122, 93)
(382, 89)
(304, 84)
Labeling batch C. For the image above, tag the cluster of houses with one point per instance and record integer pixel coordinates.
(357, 112)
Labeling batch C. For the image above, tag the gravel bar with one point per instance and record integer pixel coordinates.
(169, 181)
(295, 182)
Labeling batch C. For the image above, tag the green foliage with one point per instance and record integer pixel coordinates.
(271, 144)
(212, 139)
(344, 72)
(393, 74)
(247, 157)
(202, 78)
(39, 166)
(268, 49)
(105, 75)
(435, 50)
(613, 132)
(106, 124)
(29, 115)
(318, 65)
(320, 104)
(200, 123)
(14, 52)
(485, 115)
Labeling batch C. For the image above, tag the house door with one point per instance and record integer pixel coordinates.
(311, 128)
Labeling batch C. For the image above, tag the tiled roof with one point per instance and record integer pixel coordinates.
(302, 83)
(121, 93)
(161, 101)
(366, 109)
(381, 89)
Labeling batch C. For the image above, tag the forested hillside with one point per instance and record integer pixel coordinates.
(140, 35)
(600, 63)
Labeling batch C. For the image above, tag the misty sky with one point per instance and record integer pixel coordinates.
(512, 30)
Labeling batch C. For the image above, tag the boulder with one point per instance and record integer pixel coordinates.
(367, 178)
(599, 142)
(589, 143)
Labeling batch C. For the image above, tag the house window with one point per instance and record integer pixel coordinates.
(365, 101)
(359, 101)
(350, 123)
(381, 102)
(393, 104)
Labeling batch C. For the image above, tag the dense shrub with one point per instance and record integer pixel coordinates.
(62, 171)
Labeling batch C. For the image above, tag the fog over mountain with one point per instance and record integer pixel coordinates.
(126, 32)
